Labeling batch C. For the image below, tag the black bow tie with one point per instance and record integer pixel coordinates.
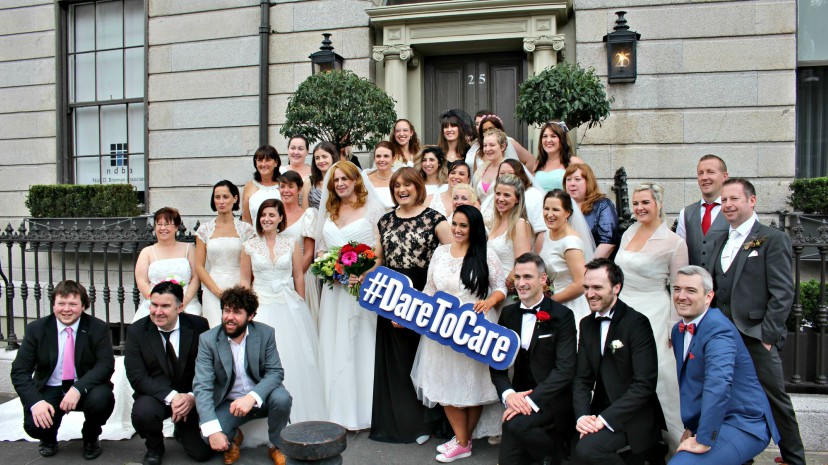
(603, 318)
(532, 310)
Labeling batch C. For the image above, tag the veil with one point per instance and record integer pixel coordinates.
(578, 223)
(374, 208)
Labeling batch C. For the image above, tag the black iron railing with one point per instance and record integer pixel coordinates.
(100, 256)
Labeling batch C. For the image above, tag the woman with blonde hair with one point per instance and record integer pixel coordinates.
(458, 173)
(464, 194)
(650, 255)
(493, 146)
(511, 234)
(598, 210)
(347, 332)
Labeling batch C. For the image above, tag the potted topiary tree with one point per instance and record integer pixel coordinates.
(564, 92)
(340, 107)
(809, 201)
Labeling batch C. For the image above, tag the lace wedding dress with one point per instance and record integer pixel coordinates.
(223, 260)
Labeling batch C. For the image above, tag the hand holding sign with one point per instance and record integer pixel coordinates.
(441, 317)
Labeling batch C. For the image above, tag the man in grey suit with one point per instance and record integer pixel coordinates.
(754, 288)
(700, 223)
(238, 377)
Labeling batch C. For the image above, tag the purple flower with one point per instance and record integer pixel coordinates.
(349, 258)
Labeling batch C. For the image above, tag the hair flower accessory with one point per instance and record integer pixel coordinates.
(542, 316)
(562, 125)
(615, 345)
(175, 279)
(755, 243)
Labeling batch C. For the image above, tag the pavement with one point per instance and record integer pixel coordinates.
(360, 451)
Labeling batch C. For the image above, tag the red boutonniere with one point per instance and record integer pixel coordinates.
(690, 356)
(542, 316)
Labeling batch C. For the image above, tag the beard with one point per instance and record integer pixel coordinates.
(240, 329)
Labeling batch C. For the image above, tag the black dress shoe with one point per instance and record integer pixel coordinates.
(48, 449)
(152, 458)
(91, 450)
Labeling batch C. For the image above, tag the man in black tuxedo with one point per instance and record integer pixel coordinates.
(755, 289)
(65, 379)
(160, 364)
(538, 420)
(614, 389)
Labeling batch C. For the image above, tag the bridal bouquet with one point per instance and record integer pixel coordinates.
(355, 259)
(326, 268)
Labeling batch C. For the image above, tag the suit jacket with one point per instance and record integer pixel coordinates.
(630, 375)
(702, 247)
(214, 374)
(145, 357)
(550, 360)
(718, 382)
(762, 292)
(94, 357)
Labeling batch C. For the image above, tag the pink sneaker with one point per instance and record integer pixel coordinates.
(455, 451)
(442, 448)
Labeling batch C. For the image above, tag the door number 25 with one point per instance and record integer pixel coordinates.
(481, 79)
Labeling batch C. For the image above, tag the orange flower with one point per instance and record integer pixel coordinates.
(338, 268)
(369, 254)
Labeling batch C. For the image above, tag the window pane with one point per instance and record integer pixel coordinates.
(113, 127)
(110, 26)
(114, 165)
(812, 119)
(134, 23)
(110, 75)
(134, 72)
(82, 29)
(86, 131)
(812, 35)
(136, 171)
(136, 128)
(87, 170)
(83, 80)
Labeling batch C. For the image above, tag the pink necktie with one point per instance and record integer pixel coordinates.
(69, 357)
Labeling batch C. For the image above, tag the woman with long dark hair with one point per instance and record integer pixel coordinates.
(554, 156)
(219, 245)
(383, 170)
(405, 142)
(468, 270)
(431, 163)
(454, 136)
(264, 185)
(324, 156)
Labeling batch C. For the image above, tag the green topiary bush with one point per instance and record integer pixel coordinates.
(564, 92)
(340, 107)
(82, 200)
(809, 298)
(810, 195)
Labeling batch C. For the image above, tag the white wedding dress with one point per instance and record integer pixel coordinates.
(552, 253)
(281, 308)
(444, 376)
(302, 228)
(165, 270)
(264, 193)
(223, 260)
(347, 334)
(647, 277)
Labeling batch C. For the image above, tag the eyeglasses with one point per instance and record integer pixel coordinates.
(164, 225)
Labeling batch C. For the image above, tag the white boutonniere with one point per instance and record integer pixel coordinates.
(615, 345)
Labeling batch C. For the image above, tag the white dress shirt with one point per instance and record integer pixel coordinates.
(736, 237)
(604, 330)
(682, 232)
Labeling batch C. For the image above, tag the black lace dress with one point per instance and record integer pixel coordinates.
(397, 415)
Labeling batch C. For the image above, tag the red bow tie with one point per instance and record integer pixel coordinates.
(691, 328)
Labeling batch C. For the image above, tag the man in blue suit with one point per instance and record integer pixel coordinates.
(727, 417)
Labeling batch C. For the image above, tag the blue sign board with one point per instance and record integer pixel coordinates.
(441, 317)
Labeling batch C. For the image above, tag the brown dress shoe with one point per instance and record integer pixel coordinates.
(232, 454)
(239, 439)
(277, 456)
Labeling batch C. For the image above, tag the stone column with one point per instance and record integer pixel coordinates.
(395, 59)
(545, 49)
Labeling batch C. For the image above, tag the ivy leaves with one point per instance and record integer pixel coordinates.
(566, 92)
(340, 107)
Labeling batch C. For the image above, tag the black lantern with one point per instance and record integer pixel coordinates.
(326, 59)
(621, 59)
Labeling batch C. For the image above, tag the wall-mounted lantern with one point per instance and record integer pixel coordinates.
(621, 54)
(326, 59)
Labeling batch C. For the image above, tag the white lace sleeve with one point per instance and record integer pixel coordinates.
(205, 231)
(497, 280)
(244, 230)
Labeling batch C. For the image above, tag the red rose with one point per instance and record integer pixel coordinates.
(542, 315)
(361, 248)
(346, 248)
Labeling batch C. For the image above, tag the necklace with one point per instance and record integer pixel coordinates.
(386, 178)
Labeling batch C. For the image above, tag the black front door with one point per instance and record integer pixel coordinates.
(473, 82)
